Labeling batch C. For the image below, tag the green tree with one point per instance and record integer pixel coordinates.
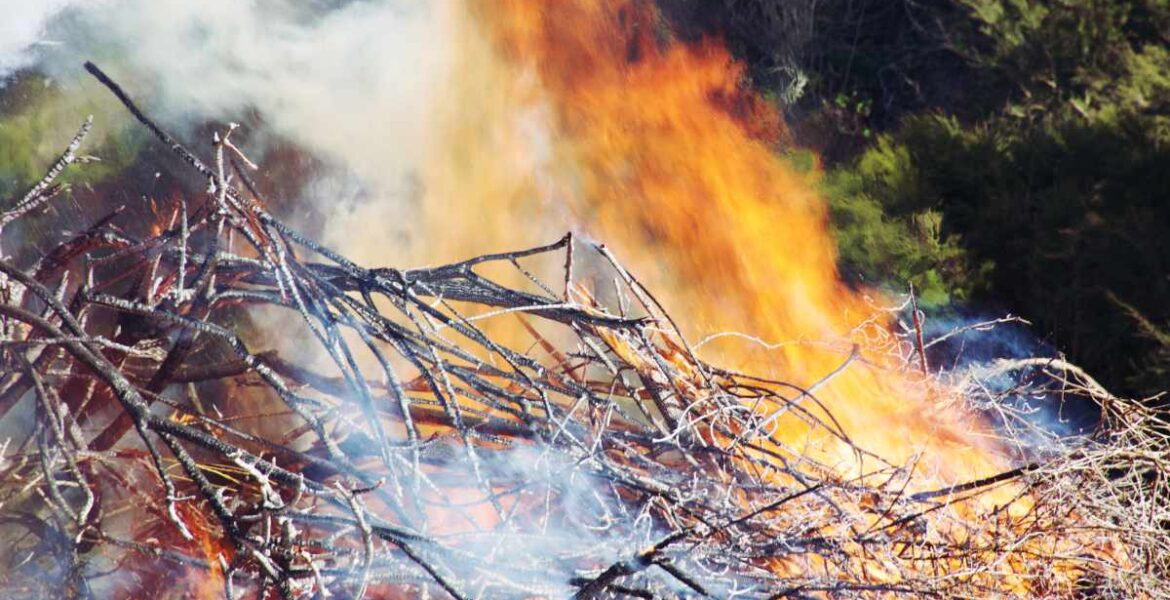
(1058, 197)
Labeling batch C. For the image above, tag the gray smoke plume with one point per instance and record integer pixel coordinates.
(23, 29)
(353, 82)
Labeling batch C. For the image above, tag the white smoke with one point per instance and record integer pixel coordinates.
(352, 81)
(22, 28)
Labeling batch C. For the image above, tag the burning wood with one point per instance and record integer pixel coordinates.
(411, 452)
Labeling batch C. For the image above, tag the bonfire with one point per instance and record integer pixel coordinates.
(405, 448)
(201, 399)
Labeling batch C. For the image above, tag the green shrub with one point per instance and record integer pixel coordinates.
(1048, 219)
(37, 120)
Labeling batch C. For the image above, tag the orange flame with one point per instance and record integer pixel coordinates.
(202, 583)
(584, 114)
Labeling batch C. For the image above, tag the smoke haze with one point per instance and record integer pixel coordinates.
(22, 29)
(353, 82)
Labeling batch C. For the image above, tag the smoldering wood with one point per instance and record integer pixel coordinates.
(420, 450)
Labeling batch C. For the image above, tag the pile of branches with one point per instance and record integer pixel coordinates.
(402, 447)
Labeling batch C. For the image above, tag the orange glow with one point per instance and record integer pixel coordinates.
(204, 583)
(584, 114)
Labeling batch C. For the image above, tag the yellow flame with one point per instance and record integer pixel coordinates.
(584, 114)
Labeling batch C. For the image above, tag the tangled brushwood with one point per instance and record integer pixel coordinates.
(404, 449)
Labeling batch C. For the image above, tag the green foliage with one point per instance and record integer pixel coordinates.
(1046, 218)
(880, 246)
(1047, 194)
(1154, 368)
(37, 120)
(845, 69)
(1081, 56)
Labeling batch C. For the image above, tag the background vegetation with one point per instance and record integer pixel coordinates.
(1000, 154)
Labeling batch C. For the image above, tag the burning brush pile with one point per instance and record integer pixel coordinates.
(405, 448)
